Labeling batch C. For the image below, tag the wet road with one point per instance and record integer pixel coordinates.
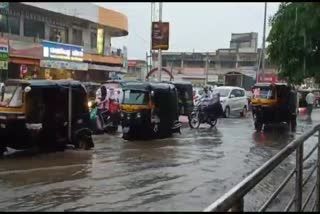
(183, 173)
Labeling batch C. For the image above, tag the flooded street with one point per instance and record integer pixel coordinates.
(184, 173)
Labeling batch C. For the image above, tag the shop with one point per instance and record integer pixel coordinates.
(63, 61)
(99, 73)
(3, 59)
(24, 60)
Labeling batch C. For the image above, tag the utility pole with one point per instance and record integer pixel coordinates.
(147, 68)
(207, 68)
(159, 51)
(152, 13)
(264, 39)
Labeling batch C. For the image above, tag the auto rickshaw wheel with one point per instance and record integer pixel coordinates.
(258, 126)
(84, 142)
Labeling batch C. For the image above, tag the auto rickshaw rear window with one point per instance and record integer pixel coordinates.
(134, 97)
(12, 96)
(263, 93)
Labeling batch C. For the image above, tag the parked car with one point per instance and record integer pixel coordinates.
(233, 100)
(197, 94)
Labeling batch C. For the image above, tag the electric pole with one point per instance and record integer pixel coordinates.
(264, 40)
(159, 51)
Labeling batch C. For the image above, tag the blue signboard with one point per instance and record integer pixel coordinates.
(60, 51)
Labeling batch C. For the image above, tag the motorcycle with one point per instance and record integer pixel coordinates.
(206, 111)
(108, 120)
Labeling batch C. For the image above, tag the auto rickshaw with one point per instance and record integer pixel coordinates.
(44, 115)
(185, 97)
(149, 110)
(274, 103)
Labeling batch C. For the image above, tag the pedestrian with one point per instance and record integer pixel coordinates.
(58, 37)
(207, 92)
(102, 100)
(310, 102)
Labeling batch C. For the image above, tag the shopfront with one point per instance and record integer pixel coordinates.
(24, 60)
(63, 61)
(3, 58)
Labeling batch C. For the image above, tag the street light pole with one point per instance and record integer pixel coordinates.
(264, 40)
(207, 68)
(151, 52)
(159, 52)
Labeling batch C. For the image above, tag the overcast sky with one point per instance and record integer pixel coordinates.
(198, 26)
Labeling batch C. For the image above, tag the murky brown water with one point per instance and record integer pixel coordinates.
(184, 173)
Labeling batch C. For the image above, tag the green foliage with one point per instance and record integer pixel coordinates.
(295, 37)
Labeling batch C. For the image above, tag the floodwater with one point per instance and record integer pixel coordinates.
(184, 173)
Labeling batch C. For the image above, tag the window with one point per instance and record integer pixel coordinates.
(93, 38)
(76, 36)
(234, 92)
(242, 93)
(263, 93)
(12, 96)
(14, 23)
(33, 28)
(135, 97)
(58, 34)
(222, 92)
(239, 93)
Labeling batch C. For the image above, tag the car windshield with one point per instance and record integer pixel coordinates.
(263, 93)
(223, 92)
(135, 97)
(11, 96)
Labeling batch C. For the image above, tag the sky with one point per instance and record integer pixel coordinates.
(193, 26)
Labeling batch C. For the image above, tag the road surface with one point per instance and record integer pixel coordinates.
(184, 173)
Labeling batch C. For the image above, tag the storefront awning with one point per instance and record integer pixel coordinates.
(25, 61)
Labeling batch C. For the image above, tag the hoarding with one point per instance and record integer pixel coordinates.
(25, 49)
(160, 35)
(79, 66)
(60, 51)
(100, 41)
(4, 55)
(268, 77)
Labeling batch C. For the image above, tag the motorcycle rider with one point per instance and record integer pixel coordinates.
(212, 102)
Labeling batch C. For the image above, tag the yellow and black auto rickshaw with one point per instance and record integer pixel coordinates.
(274, 103)
(185, 97)
(149, 110)
(44, 114)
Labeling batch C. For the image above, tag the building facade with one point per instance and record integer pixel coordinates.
(242, 58)
(245, 42)
(53, 40)
(137, 69)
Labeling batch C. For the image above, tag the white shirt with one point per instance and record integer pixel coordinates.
(310, 98)
(102, 104)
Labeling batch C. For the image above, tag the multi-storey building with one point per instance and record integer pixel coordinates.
(242, 58)
(62, 40)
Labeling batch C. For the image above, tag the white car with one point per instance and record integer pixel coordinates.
(233, 100)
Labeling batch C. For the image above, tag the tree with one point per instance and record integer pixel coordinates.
(294, 41)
